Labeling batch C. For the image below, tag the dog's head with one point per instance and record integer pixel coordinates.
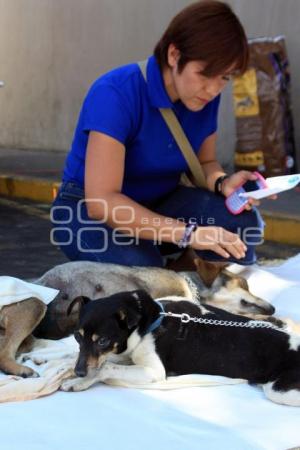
(230, 291)
(75, 279)
(222, 288)
(105, 325)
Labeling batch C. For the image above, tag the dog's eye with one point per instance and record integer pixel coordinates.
(103, 342)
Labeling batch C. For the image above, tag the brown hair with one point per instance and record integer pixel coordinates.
(206, 31)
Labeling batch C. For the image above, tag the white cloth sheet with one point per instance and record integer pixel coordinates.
(236, 417)
(14, 290)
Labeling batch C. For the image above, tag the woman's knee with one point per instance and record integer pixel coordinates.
(251, 227)
(100, 244)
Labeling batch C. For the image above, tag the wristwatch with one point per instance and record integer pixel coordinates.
(218, 184)
(190, 227)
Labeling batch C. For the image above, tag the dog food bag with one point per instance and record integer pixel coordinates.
(262, 106)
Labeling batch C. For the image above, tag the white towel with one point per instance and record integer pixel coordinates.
(14, 290)
(55, 361)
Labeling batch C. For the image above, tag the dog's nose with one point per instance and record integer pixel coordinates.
(271, 310)
(266, 309)
(80, 372)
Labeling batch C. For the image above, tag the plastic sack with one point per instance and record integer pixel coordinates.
(262, 105)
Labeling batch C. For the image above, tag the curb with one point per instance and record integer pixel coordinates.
(282, 228)
(37, 190)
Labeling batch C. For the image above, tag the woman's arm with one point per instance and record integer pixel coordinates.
(213, 170)
(207, 157)
(104, 173)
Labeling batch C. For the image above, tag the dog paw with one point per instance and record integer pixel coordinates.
(66, 386)
(26, 372)
(277, 322)
(73, 385)
(38, 360)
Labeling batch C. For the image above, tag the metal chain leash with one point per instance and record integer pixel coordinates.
(185, 318)
(193, 288)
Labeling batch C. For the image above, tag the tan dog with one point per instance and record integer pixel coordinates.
(17, 321)
(211, 284)
(222, 288)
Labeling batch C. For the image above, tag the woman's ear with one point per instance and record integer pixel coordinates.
(173, 56)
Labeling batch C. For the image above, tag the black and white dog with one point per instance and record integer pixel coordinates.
(210, 284)
(132, 326)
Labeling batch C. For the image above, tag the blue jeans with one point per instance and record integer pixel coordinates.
(82, 238)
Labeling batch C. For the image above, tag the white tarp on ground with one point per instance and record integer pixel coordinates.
(236, 417)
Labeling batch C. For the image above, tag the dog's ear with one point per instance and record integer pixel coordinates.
(240, 281)
(129, 316)
(208, 271)
(76, 304)
(147, 307)
(186, 261)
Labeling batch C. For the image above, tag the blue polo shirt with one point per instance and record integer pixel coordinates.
(122, 105)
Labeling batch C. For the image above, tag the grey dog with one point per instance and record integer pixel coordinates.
(209, 285)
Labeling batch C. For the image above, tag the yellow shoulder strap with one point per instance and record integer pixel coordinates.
(180, 138)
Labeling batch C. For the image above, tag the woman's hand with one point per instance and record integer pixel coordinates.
(219, 240)
(236, 180)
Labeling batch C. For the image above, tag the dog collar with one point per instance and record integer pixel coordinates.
(158, 321)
